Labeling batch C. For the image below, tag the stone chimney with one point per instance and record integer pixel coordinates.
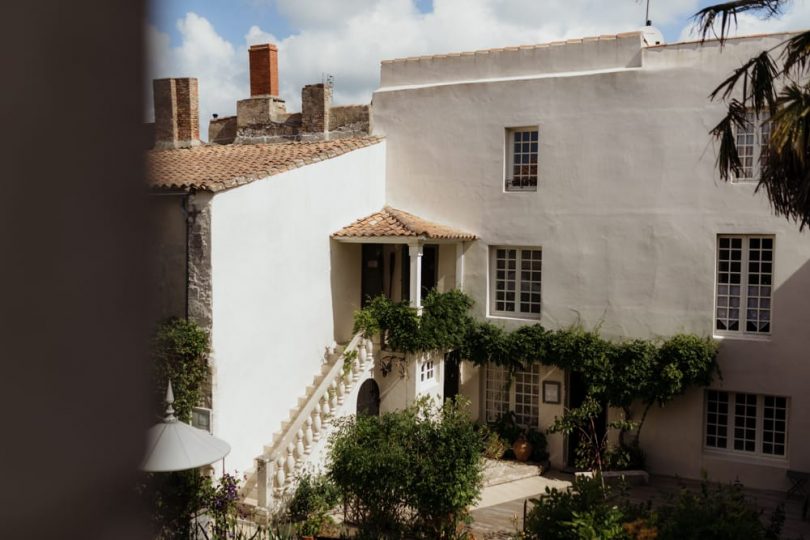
(263, 70)
(316, 100)
(177, 113)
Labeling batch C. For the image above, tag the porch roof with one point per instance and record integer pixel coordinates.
(392, 223)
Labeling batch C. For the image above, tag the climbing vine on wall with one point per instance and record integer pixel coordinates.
(616, 374)
(180, 351)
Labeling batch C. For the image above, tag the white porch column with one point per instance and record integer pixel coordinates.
(460, 266)
(415, 254)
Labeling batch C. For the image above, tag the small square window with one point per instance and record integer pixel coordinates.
(522, 146)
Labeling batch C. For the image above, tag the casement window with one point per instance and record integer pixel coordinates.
(521, 394)
(201, 418)
(752, 146)
(744, 284)
(747, 423)
(521, 158)
(516, 274)
(426, 371)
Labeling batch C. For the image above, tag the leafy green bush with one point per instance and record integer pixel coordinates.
(414, 471)
(562, 515)
(494, 444)
(589, 510)
(719, 512)
(313, 498)
(180, 351)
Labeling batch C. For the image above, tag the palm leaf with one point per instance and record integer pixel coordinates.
(796, 53)
(706, 18)
(728, 160)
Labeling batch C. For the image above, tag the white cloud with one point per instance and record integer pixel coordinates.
(348, 39)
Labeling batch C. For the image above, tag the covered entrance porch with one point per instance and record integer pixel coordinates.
(403, 257)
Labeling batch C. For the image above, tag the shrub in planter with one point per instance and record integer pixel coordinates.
(494, 445)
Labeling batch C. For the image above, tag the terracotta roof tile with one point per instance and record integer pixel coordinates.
(221, 167)
(392, 222)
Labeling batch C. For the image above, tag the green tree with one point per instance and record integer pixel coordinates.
(771, 85)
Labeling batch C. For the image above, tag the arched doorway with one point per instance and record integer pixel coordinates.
(368, 398)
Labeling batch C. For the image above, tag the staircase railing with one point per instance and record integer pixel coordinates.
(278, 465)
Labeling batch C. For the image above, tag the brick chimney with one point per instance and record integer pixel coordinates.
(263, 70)
(316, 100)
(177, 113)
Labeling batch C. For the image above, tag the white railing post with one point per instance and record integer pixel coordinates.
(299, 450)
(308, 436)
(316, 423)
(279, 487)
(290, 465)
(340, 390)
(333, 399)
(370, 352)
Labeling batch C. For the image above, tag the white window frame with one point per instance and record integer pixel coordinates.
(755, 136)
(494, 289)
(731, 427)
(427, 371)
(533, 151)
(205, 412)
(723, 295)
(498, 388)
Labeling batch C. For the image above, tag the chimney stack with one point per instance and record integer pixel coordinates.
(263, 70)
(177, 113)
(316, 100)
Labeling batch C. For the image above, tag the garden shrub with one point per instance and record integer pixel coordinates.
(413, 472)
(719, 512)
(314, 497)
(589, 510)
(494, 445)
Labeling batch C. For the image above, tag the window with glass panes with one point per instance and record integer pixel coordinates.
(744, 284)
(746, 423)
(522, 151)
(521, 396)
(516, 283)
(752, 145)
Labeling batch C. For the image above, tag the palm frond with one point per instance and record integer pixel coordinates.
(758, 76)
(785, 174)
(796, 53)
(706, 19)
(728, 159)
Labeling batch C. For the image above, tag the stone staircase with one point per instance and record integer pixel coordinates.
(301, 442)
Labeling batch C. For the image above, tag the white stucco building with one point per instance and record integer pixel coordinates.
(587, 164)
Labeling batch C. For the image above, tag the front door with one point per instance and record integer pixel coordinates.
(452, 372)
(577, 392)
(371, 273)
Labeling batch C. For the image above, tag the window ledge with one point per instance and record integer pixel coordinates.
(743, 337)
(533, 320)
(739, 457)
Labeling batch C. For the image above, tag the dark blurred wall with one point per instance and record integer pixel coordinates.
(73, 269)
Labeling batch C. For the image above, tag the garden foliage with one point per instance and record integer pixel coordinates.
(180, 351)
(408, 473)
(588, 511)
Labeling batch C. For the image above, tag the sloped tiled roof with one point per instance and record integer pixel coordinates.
(216, 168)
(390, 222)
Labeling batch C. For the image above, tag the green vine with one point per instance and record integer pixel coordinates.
(180, 351)
(616, 374)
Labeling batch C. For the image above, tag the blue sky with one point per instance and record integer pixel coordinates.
(347, 39)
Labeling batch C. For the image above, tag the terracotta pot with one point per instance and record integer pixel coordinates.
(522, 449)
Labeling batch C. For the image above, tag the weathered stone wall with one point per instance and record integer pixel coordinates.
(222, 130)
(199, 260)
(350, 116)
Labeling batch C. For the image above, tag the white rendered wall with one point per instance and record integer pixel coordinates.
(627, 213)
(273, 292)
